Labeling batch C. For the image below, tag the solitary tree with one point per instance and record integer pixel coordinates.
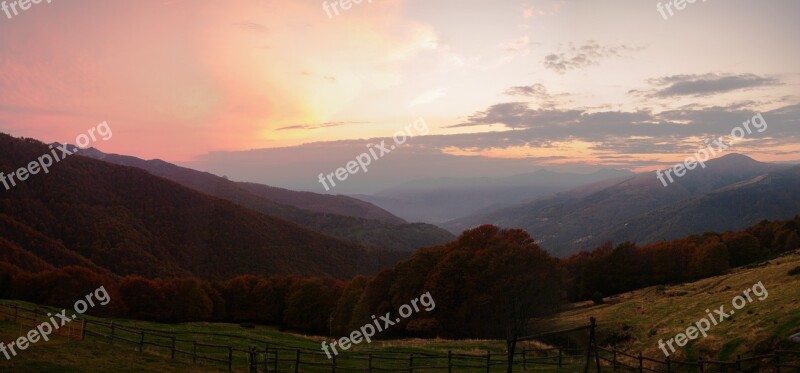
(493, 282)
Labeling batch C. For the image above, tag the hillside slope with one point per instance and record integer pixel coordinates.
(125, 220)
(637, 320)
(322, 203)
(775, 195)
(339, 216)
(585, 217)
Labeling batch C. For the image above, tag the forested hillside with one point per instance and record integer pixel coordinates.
(338, 216)
(124, 220)
(485, 283)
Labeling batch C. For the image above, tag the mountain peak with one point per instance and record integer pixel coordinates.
(737, 157)
(734, 160)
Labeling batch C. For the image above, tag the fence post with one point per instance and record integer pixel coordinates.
(111, 339)
(369, 358)
(488, 361)
(297, 362)
(230, 358)
(614, 357)
(173, 347)
(276, 360)
(560, 354)
(592, 325)
(83, 329)
(141, 341)
(669, 365)
(449, 361)
(777, 361)
(524, 357)
(253, 361)
(411, 363)
(700, 360)
(641, 363)
(738, 362)
(333, 365)
(194, 351)
(266, 357)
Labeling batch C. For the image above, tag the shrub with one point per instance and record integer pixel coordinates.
(597, 297)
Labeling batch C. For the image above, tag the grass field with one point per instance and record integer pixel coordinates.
(642, 317)
(637, 319)
(62, 355)
(91, 355)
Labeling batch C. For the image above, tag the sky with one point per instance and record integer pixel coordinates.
(281, 91)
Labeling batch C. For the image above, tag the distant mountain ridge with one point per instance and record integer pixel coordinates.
(123, 220)
(639, 208)
(443, 199)
(338, 216)
(323, 203)
(775, 195)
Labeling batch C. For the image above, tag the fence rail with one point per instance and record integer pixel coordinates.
(780, 360)
(298, 360)
(33, 317)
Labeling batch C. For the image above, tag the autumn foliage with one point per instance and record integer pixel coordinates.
(122, 220)
(611, 270)
(484, 283)
(487, 283)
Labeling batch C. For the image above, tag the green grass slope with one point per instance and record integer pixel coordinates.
(95, 354)
(92, 355)
(637, 320)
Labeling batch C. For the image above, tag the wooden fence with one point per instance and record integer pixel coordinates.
(264, 356)
(273, 357)
(36, 316)
(780, 360)
(276, 359)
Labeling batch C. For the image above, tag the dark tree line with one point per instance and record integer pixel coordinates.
(487, 283)
(484, 284)
(612, 270)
